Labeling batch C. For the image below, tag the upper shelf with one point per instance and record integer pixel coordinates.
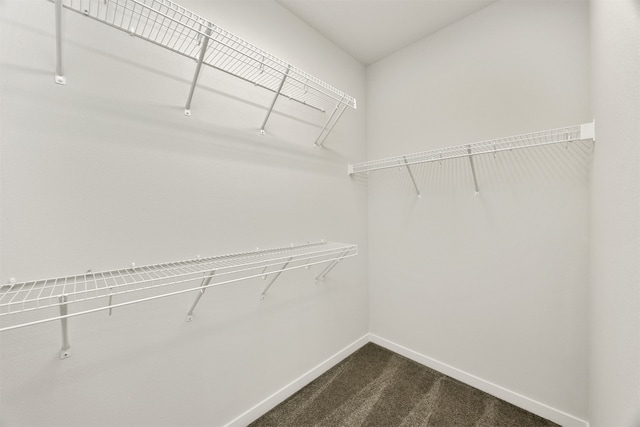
(179, 30)
(535, 139)
(33, 302)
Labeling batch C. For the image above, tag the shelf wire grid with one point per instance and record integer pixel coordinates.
(534, 139)
(173, 27)
(143, 283)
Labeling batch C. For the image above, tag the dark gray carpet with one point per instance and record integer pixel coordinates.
(375, 387)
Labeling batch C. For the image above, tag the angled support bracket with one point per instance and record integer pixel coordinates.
(65, 351)
(473, 171)
(284, 77)
(203, 51)
(330, 266)
(59, 78)
(110, 301)
(325, 132)
(266, 288)
(413, 180)
(203, 287)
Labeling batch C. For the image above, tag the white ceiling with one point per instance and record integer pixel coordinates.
(369, 30)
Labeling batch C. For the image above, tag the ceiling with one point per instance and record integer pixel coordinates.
(370, 30)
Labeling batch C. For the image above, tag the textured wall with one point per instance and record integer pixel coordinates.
(615, 212)
(494, 285)
(107, 170)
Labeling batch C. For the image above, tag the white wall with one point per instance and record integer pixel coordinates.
(107, 170)
(614, 398)
(494, 285)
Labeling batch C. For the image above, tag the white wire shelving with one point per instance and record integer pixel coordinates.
(535, 139)
(168, 25)
(38, 301)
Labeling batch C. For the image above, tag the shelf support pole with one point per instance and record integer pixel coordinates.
(325, 132)
(65, 351)
(473, 172)
(266, 288)
(110, 301)
(59, 78)
(203, 51)
(203, 287)
(413, 180)
(330, 266)
(284, 77)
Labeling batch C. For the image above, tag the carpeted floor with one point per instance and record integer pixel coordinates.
(376, 387)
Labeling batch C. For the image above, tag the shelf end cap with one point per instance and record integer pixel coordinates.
(588, 131)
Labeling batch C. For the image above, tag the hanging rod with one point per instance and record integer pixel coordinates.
(33, 302)
(536, 139)
(179, 30)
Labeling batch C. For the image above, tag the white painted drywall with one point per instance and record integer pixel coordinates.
(494, 285)
(614, 398)
(107, 170)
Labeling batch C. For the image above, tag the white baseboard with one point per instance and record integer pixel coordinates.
(512, 397)
(281, 395)
(533, 406)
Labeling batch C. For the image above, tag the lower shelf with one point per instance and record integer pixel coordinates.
(38, 301)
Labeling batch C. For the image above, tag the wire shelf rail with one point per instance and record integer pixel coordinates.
(535, 139)
(39, 301)
(179, 30)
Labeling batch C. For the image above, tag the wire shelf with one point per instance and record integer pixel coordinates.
(535, 139)
(179, 30)
(96, 291)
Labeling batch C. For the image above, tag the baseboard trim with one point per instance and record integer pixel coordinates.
(538, 408)
(512, 397)
(281, 395)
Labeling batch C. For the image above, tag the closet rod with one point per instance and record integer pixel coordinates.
(568, 134)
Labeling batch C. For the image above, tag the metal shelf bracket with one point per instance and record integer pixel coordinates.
(59, 78)
(340, 106)
(473, 171)
(65, 351)
(588, 130)
(203, 50)
(203, 287)
(329, 267)
(110, 301)
(413, 180)
(266, 288)
(275, 97)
